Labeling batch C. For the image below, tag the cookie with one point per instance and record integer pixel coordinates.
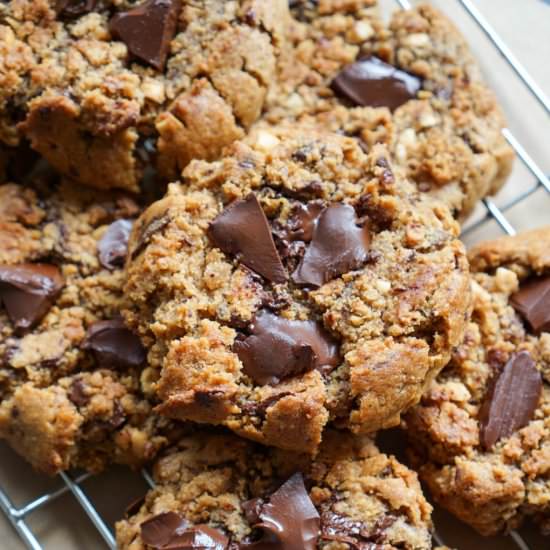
(79, 80)
(70, 388)
(412, 84)
(481, 436)
(217, 491)
(296, 281)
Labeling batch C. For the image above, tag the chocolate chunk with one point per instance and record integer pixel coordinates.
(77, 394)
(97, 429)
(242, 230)
(71, 9)
(532, 302)
(28, 291)
(171, 531)
(355, 533)
(373, 83)
(147, 232)
(293, 235)
(148, 29)
(302, 221)
(114, 345)
(279, 348)
(159, 530)
(113, 246)
(288, 520)
(259, 409)
(118, 418)
(338, 246)
(511, 400)
(252, 509)
(199, 537)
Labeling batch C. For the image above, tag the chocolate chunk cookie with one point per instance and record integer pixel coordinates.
(481, 435)
(70, 389)
(216, 491)
(296, 281)
(412, 84)
(91, 83)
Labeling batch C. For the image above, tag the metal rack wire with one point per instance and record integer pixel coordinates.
(72, 483)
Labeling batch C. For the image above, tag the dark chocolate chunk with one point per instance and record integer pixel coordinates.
(159, 530)
(147, 232)
(278, 348)
(355, 533)
(252, 509)
(171, 531)
(302, 221)
(28, 291)
(113, 246)
(199, 537)
(99, 428)
(338, 245)
(71, 9)
(259, 409)
(292, 236)
(114, 345)
(304, 10)
(532, 302)
(243, 231)
(373, 83)
(288, 520)
(117, 418)
(77, 394)
(148, 29)
(511, 400)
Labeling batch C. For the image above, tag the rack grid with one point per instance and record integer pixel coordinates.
(72, 482)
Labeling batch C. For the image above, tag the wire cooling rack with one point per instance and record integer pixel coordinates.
(74, 484)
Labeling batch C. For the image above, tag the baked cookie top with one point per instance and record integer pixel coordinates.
(296, 281)
(70, 392)
(89, 82)
(411, 84)
(481, 435)
(232, 494)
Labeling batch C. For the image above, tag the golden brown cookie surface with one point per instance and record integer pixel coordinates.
(297, 281)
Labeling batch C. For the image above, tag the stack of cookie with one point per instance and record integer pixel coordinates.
(268, 271)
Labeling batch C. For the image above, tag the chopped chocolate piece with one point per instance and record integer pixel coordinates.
(259, 409)
(209, 398)
(117, 419)
(114, 345)
(242, 230)
(532, 302)
(355, 533)
(148, 29)
(98, 429)
(373, 83)
(77, 394)
(113, 246)
(199, 537)
(511, 400)
(252, 509)
(279, 348)
(28, 291)
(156, 225)
(302, 221)
(160, 529)
(338, 245)
(71, 9)
(171, 531)
(288, 520)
